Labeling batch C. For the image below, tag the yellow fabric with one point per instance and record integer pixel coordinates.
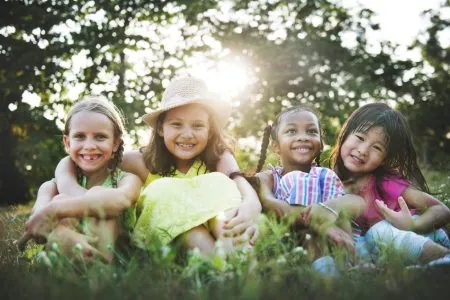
(170, 206)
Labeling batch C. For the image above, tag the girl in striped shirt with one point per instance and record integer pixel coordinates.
(299, 187)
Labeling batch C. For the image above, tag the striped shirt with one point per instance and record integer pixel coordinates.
(300, 188)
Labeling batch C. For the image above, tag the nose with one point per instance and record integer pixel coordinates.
(89, 144)
(362, 149)
(302, 136)
(187, 132)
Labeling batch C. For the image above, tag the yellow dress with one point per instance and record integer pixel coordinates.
(169, 206)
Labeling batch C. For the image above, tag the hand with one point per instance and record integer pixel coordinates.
(38, 226)
(341, 238)
(242, 221)
(248, 237)
(401, 219)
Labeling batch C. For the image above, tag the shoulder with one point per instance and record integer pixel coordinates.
(227, 164)
(133, 162)
(130, 180)
(394, 184)
(264, 176)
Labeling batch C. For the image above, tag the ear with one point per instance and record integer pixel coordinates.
(275, 147)
(66, 143)
(160, 131)
(116, 144)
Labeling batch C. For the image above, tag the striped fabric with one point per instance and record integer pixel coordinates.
(300, 188)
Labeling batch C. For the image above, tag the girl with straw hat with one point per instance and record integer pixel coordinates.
(193, 191)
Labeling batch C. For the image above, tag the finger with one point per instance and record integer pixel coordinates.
(253, 233)
(21, 244)
(230, 224)
(234, 214)
(241, 239)
(306, 215)
(90, 252)
(403, 205)
(236, 230)
(92, 240)
(382, 208)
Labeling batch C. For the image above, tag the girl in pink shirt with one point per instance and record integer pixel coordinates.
(375, 158)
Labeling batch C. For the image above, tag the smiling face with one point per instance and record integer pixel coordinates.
(185, 131)
(298, 140)
(364, 152)
(90, 141)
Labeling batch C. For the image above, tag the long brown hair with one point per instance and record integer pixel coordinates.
(97, 105)
(159, 160)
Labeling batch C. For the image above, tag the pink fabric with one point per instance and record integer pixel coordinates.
(392, 187)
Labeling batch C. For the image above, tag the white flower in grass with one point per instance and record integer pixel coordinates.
(43, 258)
(165, 250)
(54, 246)
(298, 250)
(307, 236)
(78, 247)
(281, 259)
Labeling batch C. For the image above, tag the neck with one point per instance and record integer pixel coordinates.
(184, 166)
(95, 178)
(290, 168)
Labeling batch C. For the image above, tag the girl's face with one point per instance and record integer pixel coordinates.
(185, 130)
(91, 141)
(364, 152)
(298, 140)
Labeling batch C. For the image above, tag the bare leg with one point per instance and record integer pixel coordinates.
(107, 232)
(432, 251)
(67, 238)
(199, 237)
(216, 225)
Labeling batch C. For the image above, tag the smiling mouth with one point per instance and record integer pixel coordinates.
(301, 149)
(90, 157)
(357, 159)
(185, 146)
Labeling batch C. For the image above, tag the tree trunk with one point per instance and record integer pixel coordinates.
(13, 187)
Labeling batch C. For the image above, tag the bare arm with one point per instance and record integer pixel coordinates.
(99, 201)
(66, 178)
(270, 203)
(227, 165)
(133, 162)
(434, 214)
(46, 192)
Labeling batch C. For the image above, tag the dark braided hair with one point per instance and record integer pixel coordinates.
(272, 131)
(264, 145)
(108, 109)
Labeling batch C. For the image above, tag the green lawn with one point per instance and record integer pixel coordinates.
(277, 268)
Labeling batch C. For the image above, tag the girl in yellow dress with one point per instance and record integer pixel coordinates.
(193, 189)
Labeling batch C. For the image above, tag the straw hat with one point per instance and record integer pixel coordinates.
(187, 90)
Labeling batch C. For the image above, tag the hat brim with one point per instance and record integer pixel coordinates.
(220, 109)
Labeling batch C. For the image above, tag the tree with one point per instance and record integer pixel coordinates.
(41, 44)
(428, 108)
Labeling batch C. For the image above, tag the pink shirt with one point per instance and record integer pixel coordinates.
(392, 187)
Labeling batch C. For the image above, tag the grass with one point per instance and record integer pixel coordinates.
(277, 268)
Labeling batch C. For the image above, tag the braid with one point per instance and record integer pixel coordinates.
(115, 162)
(264, 145)
(317, 159)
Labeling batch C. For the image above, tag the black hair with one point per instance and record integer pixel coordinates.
(271, 131)
(401, 158)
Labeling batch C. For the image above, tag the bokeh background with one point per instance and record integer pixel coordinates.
(263, 56)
